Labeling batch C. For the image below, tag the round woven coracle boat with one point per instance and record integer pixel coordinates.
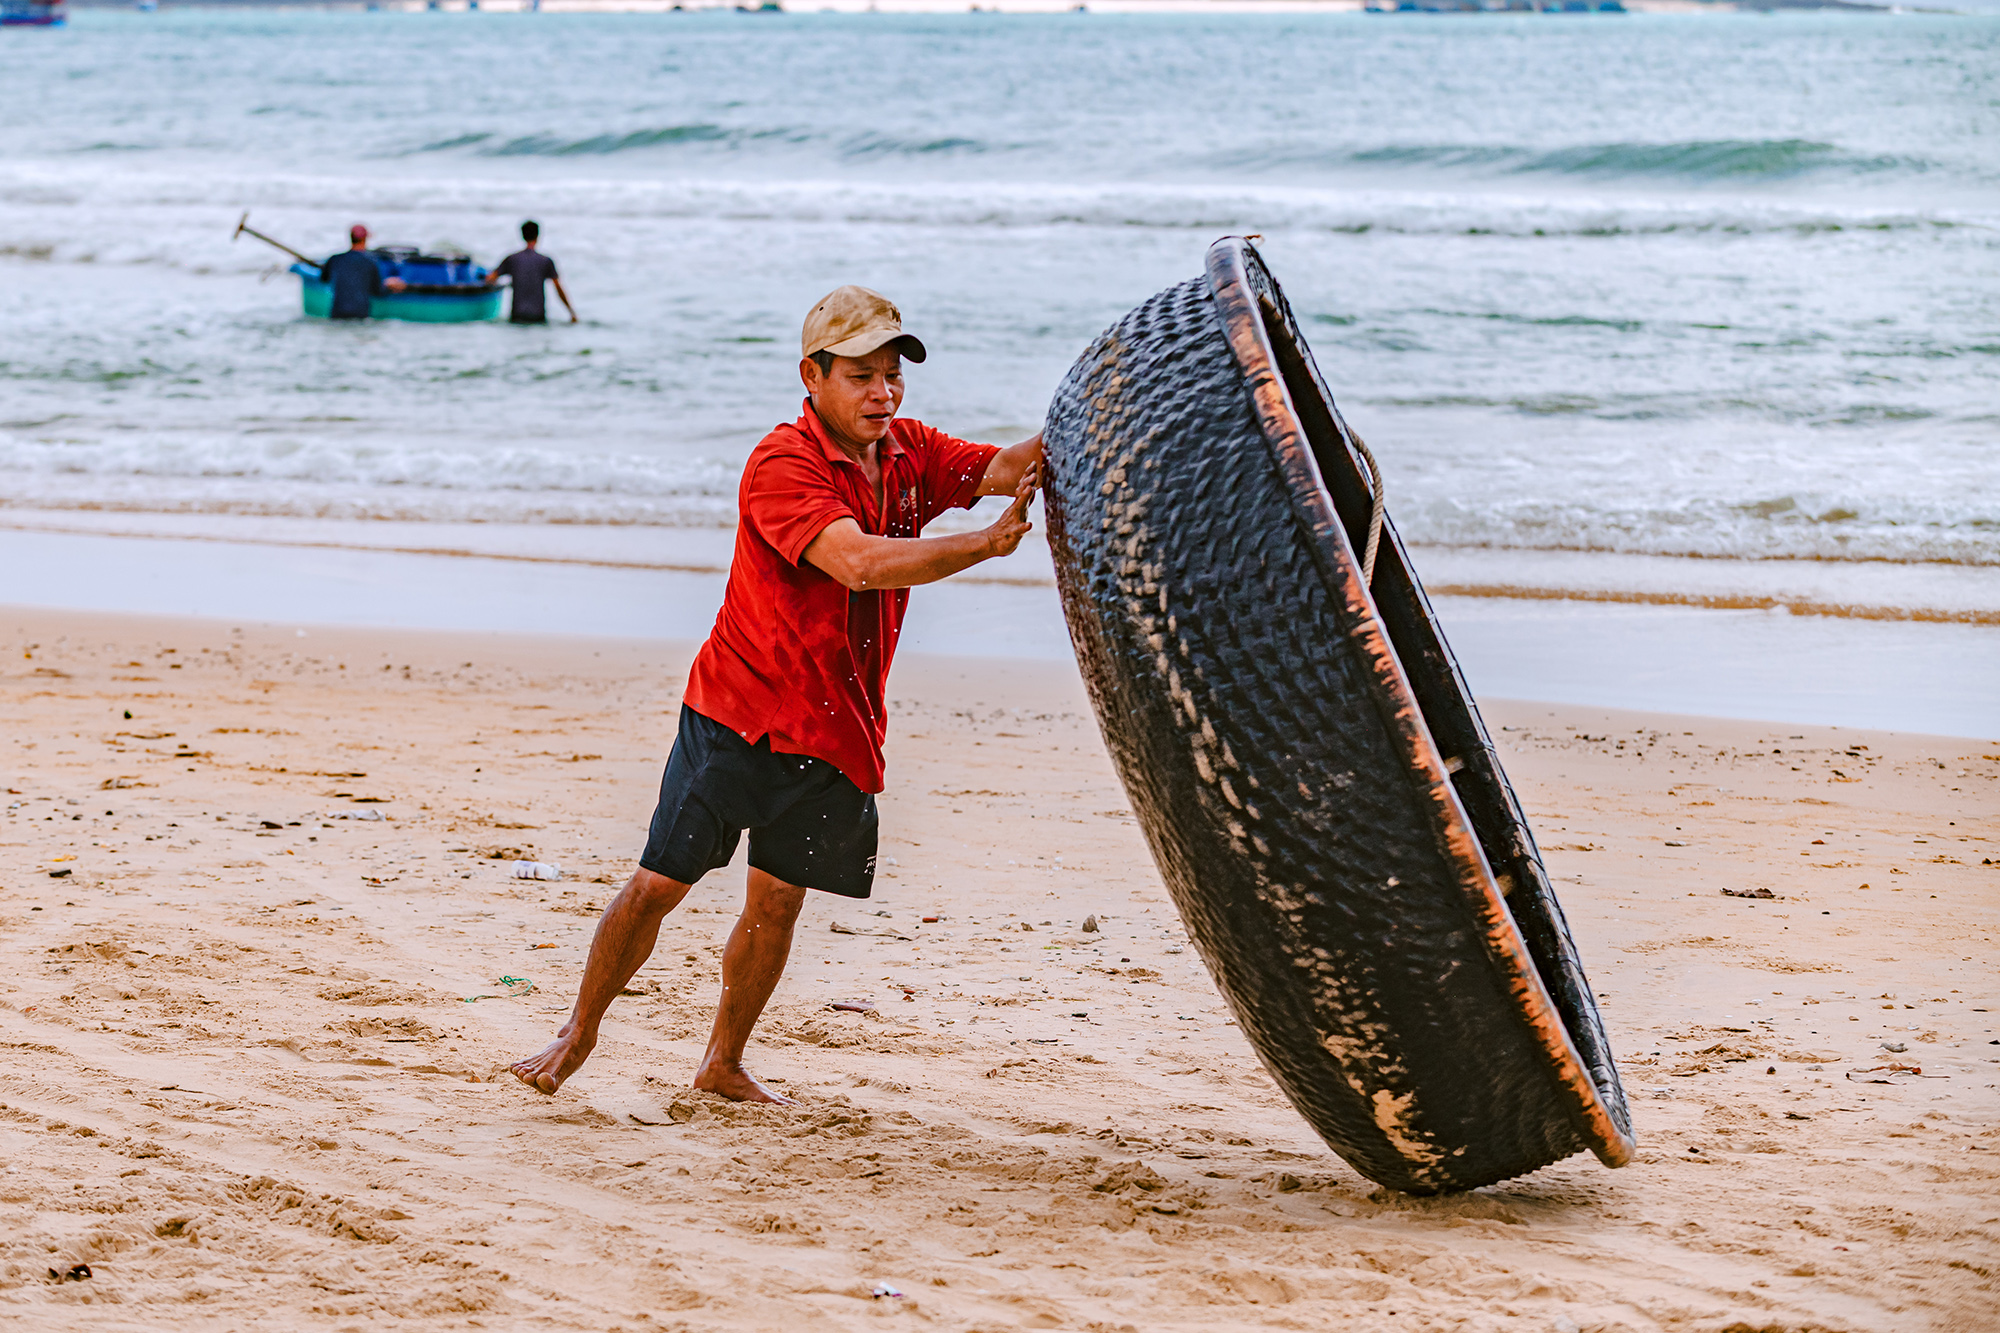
(1310, 772)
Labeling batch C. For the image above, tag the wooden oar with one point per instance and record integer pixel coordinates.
(243, 226)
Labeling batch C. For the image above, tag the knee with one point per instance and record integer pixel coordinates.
(654, 893)
(773, 903)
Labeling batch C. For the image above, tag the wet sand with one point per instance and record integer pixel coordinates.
(1540, 626)
(259, 1035)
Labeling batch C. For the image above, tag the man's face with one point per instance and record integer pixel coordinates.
(857, 399)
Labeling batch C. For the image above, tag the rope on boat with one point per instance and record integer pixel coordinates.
(1377, 489)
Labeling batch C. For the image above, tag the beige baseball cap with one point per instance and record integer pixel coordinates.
(853, 321)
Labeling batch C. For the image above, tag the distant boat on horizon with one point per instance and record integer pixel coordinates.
(33, 13)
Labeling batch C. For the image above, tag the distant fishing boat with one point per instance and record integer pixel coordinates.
(442, 289)
(439, 289)
(33, 13)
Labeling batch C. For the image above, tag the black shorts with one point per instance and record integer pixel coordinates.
(809, 824)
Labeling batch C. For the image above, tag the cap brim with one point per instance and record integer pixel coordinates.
(861, 344)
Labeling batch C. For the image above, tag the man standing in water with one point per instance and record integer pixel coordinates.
(528, 268)
(782, 725)
(355, 277)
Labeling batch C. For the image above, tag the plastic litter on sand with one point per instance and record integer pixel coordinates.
(516, 988)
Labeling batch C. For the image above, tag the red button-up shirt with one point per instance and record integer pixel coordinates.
(794, 655)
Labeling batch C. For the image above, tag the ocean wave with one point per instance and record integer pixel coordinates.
(1535, 321)
(548, 145)
(1700, 160)
(1844, 608)
(885, 145)
(1735, 161)
(1741, 161)
(1666, 405)
(861, 146)
(527, 485)
(548, 475)
(259, 498)
(48, 201)
(1773, 528)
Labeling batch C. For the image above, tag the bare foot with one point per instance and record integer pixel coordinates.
(735, 1083)
(559, 1059)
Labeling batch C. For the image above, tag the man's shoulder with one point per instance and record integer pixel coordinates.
(789, 444)
(930, 447)
(786, 435)
(915, 436)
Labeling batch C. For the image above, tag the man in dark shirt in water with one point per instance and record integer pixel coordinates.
(355, 277)
(529, 268)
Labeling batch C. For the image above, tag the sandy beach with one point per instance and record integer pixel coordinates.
(1674, 340)
(271, 961)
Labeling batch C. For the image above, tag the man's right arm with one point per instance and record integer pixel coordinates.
(862, 562)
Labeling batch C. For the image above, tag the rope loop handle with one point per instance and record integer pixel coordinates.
(1378, 490)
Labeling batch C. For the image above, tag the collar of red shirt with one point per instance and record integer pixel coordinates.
(816, 430)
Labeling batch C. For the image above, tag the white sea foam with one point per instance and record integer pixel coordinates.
(696, 485)
(520, 485)
(43, 201)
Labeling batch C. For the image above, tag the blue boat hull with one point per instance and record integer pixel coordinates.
(459, 304)
(420, 308)
(33, 14)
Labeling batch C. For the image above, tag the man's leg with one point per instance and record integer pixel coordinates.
(751, 965)
(624, 941)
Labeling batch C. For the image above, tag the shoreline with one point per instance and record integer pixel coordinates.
(1866, 589)
(263, 1090)
(1633, 641)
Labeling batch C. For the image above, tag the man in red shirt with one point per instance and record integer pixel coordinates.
(782, 724)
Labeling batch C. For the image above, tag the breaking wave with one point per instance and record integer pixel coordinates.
(549, 145)
(1735, 160)
(337, 479)
(992, 205)
(868, 144)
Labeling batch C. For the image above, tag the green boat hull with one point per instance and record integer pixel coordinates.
(467, 307)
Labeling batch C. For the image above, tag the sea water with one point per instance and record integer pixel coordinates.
(1648, 287)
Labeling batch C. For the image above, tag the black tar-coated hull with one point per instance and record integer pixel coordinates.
(1311, 775)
